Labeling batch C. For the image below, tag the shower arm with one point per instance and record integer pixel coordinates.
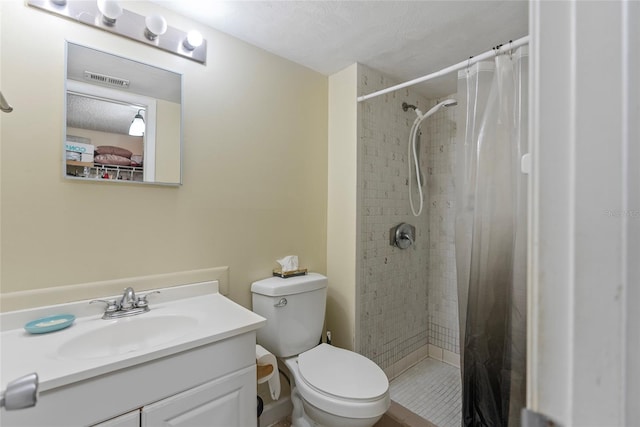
(405, 106)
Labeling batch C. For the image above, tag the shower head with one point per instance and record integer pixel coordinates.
(414, 149)
(446, 103)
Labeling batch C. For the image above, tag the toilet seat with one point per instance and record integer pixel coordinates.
(342, 382)
(341, 373)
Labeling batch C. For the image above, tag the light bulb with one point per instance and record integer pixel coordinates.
(110, 10)
(137, 127)
(156, 26)
(193, 40)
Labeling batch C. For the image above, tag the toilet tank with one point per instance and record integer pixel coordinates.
(294, 308)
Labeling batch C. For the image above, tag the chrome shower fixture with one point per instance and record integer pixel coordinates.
(402, 235)
(412, 149)
(446, 103)
(406, 106)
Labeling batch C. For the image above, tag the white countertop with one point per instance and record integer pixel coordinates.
(215, 318)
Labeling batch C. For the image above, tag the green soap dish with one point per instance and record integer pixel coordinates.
(49, 323)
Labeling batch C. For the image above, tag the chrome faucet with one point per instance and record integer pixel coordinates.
(129, 304)
(128, 299)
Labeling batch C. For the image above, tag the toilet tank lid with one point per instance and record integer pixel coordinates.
(277, 286)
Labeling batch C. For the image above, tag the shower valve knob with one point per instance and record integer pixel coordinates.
(402, 235)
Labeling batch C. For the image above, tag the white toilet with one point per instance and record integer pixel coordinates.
(330, 386)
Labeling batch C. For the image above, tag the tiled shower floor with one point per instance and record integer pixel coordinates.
(432, 390)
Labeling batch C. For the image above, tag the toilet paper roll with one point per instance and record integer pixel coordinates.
(264, 358)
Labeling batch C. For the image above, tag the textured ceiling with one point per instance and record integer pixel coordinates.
(403, 39)
(144, 79)
(87, 112)
(95, 114)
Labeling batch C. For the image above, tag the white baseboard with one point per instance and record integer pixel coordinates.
(276, 411)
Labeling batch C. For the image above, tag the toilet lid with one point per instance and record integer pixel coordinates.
(342, 373)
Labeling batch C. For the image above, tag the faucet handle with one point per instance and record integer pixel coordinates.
(142, 299)
(112, 306)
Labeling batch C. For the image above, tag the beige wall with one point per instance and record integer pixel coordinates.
(341, 210)
(255, 166)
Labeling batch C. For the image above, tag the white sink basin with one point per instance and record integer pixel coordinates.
(182, 318)
(126, 335)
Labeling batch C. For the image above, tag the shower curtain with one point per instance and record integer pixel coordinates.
(491, 226)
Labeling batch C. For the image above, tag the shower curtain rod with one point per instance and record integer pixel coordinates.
(459, 66)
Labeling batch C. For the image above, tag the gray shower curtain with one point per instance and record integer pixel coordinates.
(491, 227)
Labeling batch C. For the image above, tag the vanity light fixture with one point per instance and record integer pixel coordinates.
(156, 26)
(193, 40)
(109, 15)
(110, 10)
(137, 125)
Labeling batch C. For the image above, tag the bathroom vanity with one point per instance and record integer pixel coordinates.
(189, 361)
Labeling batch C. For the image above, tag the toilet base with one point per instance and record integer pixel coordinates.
(306, 415)
(325, 419)
(298, 416)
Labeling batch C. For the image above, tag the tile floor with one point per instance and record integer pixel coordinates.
(399, 416)
(432, 390)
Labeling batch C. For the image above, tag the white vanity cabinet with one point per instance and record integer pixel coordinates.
(211, 385)
(217, 403)
(130, 419)
(214, 404)
(189, 361)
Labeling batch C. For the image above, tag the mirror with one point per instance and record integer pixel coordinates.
(123, 119)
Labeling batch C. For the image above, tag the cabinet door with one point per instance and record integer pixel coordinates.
(130, 419)
(225, 402)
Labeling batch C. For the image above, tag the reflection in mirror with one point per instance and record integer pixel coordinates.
(123, 119)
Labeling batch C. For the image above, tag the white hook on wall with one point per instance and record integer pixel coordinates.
(4, 105)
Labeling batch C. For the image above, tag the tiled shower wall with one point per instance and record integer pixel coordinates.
(440, 130)
(400, 308)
